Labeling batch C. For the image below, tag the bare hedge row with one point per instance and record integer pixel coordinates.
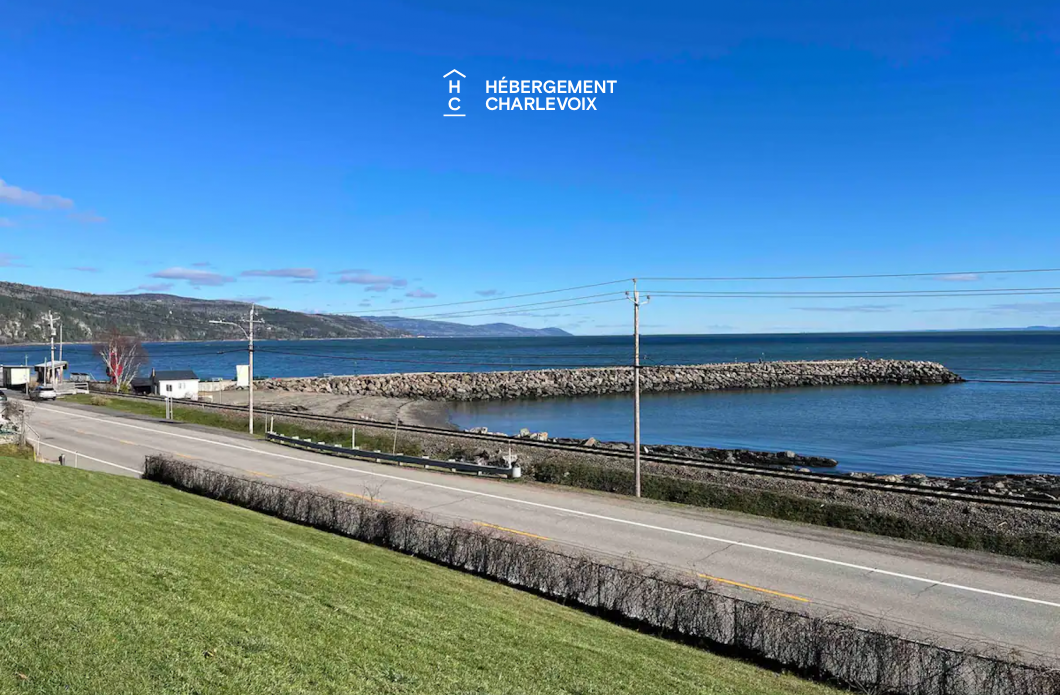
(675, 605)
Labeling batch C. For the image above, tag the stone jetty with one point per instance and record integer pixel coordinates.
(550, 383)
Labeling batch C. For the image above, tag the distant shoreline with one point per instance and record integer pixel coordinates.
(926, 331)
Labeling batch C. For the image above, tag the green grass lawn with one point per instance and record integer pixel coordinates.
(117, 585)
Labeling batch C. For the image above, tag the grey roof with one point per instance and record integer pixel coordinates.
(174, 375)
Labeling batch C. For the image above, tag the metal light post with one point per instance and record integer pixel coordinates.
(249, 333)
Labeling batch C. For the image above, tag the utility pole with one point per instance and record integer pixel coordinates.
(635, 298)
(249, 333)
(49, 372)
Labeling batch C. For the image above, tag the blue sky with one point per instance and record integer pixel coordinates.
(258, 150)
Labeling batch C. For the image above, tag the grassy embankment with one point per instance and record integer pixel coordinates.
(1035, 546)
(111, 584)
(14, 451)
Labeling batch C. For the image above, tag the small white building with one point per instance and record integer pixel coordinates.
(16, 376)
(175, 383)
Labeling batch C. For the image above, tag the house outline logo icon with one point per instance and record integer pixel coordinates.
(454, 87)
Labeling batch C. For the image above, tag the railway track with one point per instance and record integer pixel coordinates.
(836, 479)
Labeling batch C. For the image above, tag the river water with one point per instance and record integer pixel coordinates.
(1006, 420)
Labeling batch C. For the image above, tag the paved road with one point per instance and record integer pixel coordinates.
(949, 595)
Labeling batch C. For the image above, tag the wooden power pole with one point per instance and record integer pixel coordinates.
(249, 333)
(635, 298)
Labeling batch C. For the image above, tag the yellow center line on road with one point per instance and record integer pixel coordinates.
(364, 497)
(754, 588)
(126, 441)
(264, 475)
(510, 530)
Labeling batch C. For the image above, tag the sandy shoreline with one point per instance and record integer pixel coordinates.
(409, 411)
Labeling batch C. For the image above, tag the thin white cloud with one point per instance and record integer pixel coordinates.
(85, 269)
(857, 308)
(488, 293)
(250, 300)
(201, 264)
(960, 277)
(375, 283)
(1028, 308)
(195, 278)
(87, 217)
(7, 222)
(300, 273)
(350, 271)
(420, 293)
(159, 287)
(7, 260)
(13, 195)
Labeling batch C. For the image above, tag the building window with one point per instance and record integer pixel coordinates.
(169, 387)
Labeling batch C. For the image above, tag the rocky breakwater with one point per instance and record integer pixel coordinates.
(547, 383)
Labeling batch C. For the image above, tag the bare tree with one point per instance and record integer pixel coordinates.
(123, 356)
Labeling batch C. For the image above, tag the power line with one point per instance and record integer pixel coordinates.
(796, 293)
(433, 362)
(523, 311)
(848, 295)
(857, 277)
(311, 351)
(507, 297)
(490, 311)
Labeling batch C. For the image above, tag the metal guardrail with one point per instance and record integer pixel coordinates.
(513, 471)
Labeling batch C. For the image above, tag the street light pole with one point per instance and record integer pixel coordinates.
(248, 332)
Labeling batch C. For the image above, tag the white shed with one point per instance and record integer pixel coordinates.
(176, 383)
(16, 375)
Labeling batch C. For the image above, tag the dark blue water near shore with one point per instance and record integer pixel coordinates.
(1005, 421)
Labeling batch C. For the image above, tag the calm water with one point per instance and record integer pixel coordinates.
(986, 426)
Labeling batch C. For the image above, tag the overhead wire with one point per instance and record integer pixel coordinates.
(800, 293)
(429, 362)
(493, 310)
(524, 311)
(966, 273)
(508, 297)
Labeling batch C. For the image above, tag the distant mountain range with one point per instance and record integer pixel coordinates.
(445, 329)
(159, 317)
(166, 317)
